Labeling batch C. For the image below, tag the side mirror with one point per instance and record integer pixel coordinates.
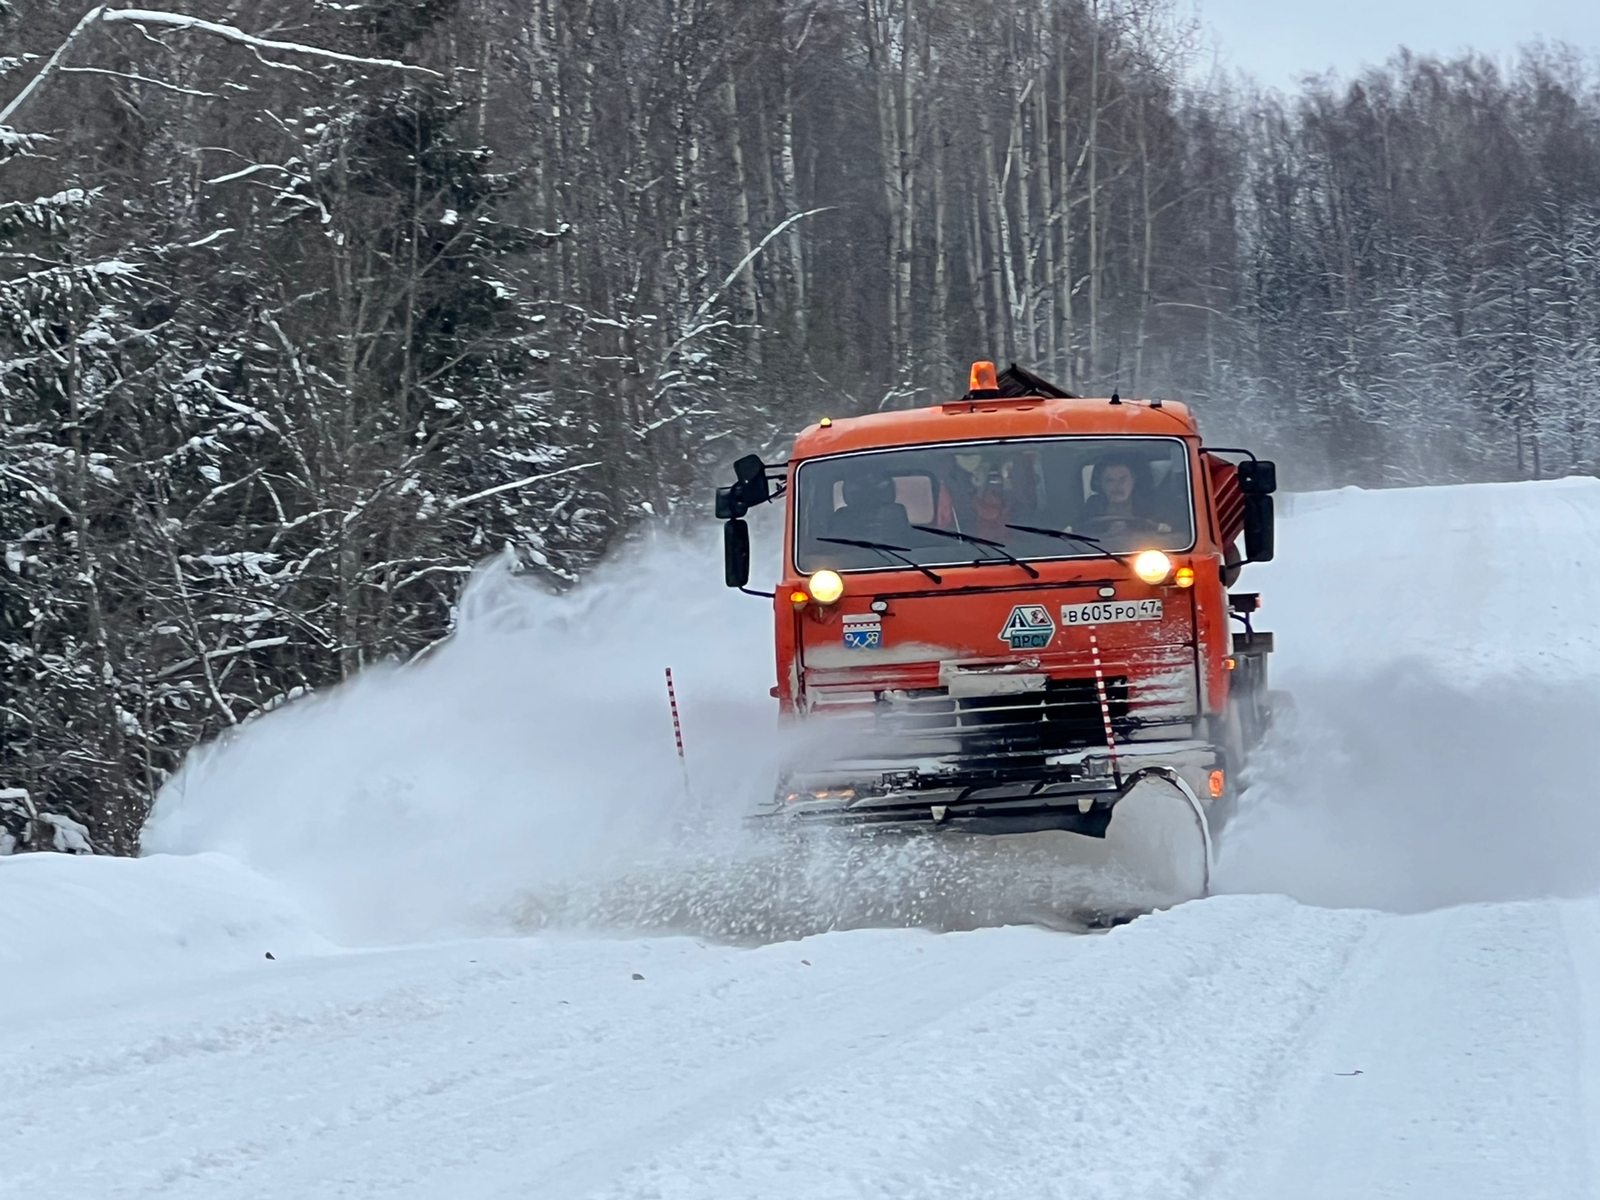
(753, 488)
(736, 553)
(1258, 477)
(1258, 526)
(752, 476)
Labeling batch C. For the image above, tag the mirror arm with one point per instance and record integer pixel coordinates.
(764, 595)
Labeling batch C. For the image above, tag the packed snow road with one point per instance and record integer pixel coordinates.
(1421, 1019)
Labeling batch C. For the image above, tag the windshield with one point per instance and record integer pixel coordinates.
(1112, 494)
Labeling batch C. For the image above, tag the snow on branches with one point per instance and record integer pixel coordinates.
(145, 17)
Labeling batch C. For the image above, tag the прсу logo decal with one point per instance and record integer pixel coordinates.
(1029, 627)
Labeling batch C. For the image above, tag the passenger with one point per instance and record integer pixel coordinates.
(986, 493)
(871, 512)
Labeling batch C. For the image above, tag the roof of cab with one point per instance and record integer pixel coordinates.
(1008, 417)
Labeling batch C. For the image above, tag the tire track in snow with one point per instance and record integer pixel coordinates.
(899, 1064)
(1467, 1027)
(410, 1073)
(1127, 1069)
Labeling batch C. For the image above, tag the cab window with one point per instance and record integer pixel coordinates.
(1076, 497)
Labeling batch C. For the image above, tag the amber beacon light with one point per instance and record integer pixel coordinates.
(982, 381)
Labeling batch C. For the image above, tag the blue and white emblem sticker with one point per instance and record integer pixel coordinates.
(863, 631)
(1029, 627)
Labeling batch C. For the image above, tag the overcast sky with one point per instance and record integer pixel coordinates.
(1277, 41)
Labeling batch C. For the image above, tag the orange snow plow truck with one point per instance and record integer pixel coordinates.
(1006, 619)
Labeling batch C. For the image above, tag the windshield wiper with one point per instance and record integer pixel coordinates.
(974, 539)
(885, 548)
(1092, 543)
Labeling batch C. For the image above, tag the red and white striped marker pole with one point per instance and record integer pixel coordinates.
(1105, 705)
(677, 732)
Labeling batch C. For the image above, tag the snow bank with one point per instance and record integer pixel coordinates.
(1441, 646)
(1476, 582)
(79, 925)
(534, 745)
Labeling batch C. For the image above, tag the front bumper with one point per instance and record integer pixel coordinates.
(1075, 791)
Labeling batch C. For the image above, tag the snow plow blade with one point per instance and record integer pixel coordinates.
(1090, 856)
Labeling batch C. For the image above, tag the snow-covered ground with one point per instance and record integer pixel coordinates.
(1421, 1019)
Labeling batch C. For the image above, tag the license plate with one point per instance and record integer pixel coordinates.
(1110, 612)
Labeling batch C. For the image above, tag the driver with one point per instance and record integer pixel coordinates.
(871, 512)
(1113, 505)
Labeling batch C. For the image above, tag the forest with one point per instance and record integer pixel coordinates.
(309, 308)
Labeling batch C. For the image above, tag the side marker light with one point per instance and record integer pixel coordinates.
(1183, 577)
(1229, 664)
(826, 422)
(1214, 784)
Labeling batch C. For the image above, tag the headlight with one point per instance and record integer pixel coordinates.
(825, 587)
(1152, 566)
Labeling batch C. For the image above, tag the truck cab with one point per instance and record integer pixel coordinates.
(1011, 609)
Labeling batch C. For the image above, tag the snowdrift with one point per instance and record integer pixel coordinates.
(78, 926)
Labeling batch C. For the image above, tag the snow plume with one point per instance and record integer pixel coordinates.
(531, 750)
(523, 776)
(1404, 791)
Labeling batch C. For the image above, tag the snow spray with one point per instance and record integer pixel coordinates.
(425, 800)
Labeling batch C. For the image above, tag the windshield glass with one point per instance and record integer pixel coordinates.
(1129, 493)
